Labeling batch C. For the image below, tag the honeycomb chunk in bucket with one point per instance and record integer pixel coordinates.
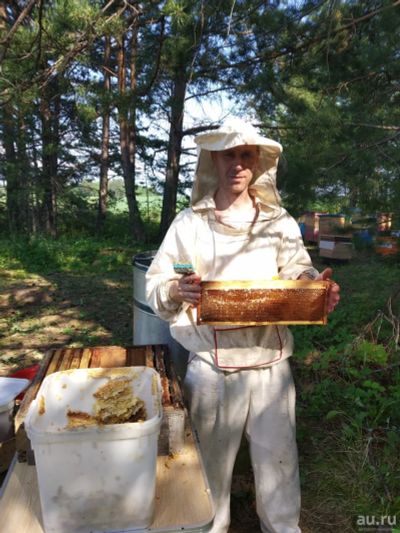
(115, 404)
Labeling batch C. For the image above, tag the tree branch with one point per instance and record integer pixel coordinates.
(360, 147)
(6, 41)
(39, 52)
(376, 126)
(153, 78)
(199, 95)
(199, 129)
(268, 56)
(83, 40)
(343, 84)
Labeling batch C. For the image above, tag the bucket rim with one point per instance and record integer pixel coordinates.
(141, 259)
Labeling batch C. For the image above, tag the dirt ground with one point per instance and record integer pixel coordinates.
(39, 313)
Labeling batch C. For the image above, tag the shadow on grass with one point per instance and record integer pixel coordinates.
(105, 299)
(50, 311)
(72, 291)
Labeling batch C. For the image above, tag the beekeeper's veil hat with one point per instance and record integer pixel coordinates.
(236, 132)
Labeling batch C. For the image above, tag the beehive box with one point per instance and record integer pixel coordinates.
(336, 247)
(384, 221)
(387, 245)
(328, 224)
(311, 226)
(255, 303)
(171, 438)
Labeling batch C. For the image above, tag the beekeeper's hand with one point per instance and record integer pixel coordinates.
(334, 289)
(186, 289)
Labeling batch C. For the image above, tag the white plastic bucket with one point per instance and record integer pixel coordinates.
(96, 478)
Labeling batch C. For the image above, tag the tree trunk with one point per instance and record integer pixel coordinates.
(23, 169)
(126, 118)
(10, 170)
(174, 154)
(15, 155)
(49, 115)
(105, 141)
(9, 148)
(36, 174)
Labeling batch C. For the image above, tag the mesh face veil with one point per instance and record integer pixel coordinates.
(236, 132)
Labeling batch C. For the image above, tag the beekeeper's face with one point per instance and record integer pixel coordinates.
(235, 167)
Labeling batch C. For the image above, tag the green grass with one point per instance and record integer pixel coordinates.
(66, 254)
(348, 380)
(86, 283)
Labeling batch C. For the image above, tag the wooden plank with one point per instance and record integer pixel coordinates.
(149, 356)
(96, 358)
(55, 359)
(181, 491)
(76, 358)
(112, 356)
(22, 442)
(160, 367)
(174, 387)
(136, 356)
(67, 356)
(20, 504)
(86, 358)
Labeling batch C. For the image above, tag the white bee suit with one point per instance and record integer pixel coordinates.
(234, 382)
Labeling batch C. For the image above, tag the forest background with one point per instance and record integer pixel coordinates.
(99, 103)
(94, 91)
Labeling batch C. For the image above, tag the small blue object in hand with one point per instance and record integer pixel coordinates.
(184, 268)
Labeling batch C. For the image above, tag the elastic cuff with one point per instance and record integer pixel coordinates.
(166, 299)
(310, 273)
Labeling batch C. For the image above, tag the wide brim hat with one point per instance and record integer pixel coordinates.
(232, 133)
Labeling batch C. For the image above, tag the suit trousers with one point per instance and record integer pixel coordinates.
(261, 403)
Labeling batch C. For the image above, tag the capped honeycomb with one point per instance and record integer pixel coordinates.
(263, 302)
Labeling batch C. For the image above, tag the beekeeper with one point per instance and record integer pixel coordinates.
(238, 378)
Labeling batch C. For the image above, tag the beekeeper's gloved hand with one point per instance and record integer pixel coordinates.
(334, 289)
(186, 289)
